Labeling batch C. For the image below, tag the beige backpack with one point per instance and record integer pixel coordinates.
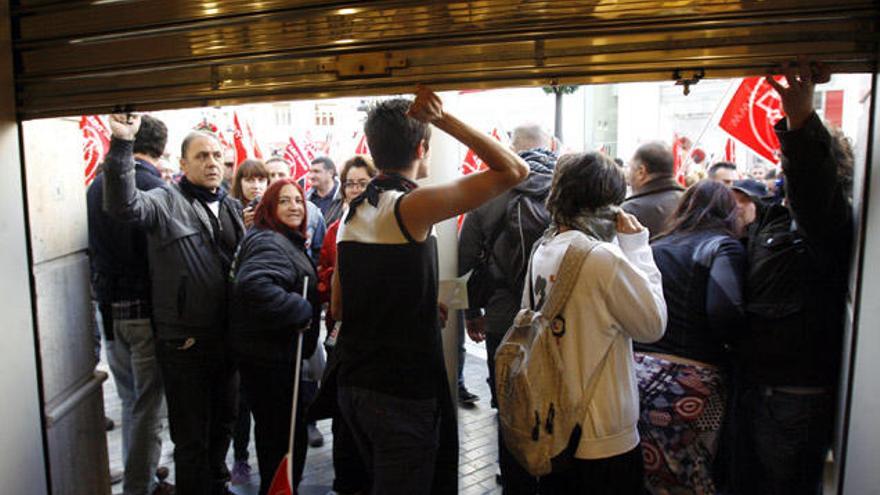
(539, 419)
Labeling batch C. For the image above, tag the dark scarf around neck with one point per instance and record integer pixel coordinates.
(600, 224)
(380, 184)
(200, 193)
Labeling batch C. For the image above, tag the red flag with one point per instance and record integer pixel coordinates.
(241, 153)
(730, 151)
(96, 143)
(299, 165)
(472, 163)
(281, 482)
(253, 142)
(362, 148)
(751, 114)
(677, 163)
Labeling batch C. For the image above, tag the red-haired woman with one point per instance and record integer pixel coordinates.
(267, 312)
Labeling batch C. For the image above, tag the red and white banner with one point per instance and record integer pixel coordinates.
(472, 162)
(96, 143)
(679, 158)
(241, 152)
(361, 148)
(253, 142)
(751, 114)
(299, 163)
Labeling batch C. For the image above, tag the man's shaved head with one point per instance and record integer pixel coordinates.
(528, 136)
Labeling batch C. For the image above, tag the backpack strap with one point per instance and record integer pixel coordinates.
(581, 246)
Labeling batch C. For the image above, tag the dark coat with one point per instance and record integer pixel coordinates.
(482, 223)
(188, 273)
(799, 257)
(118, 250)
(703, 284)
(266, 305)
(653, 205)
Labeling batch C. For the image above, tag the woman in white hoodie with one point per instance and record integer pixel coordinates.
(618, 298)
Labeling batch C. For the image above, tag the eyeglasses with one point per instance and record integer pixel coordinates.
(360, 184)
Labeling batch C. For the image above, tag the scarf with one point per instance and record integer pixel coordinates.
(201, 193)
(381, 183)
(600, 224)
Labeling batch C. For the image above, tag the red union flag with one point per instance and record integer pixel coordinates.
(299, 164)
(362, 148)
(96, 143)
(751, 114)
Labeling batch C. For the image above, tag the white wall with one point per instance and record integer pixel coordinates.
(22, 467)
(861, 475)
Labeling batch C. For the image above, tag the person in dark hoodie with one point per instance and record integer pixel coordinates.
(192, 228)
(267, 311)
(799, 255)
(488, 235)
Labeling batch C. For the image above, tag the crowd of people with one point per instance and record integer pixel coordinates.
(702, 332)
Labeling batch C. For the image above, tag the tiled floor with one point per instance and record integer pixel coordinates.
(477, 440)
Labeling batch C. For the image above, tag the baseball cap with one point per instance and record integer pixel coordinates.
(755, 189)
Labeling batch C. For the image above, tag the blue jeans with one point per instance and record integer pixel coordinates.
(787, 440)
(397, 438)
(132, 359)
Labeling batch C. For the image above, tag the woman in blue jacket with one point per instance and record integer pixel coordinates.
(683, 377)
(268, 310)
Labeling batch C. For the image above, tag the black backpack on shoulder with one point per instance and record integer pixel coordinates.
(505, 254)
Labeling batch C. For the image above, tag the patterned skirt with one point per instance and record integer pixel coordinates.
(681, 412)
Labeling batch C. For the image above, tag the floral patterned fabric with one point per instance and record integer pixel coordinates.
(681, 412)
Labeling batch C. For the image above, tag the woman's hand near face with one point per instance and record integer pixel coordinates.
(628, 224)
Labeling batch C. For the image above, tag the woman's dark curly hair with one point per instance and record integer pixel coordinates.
(584, 181)
(707, 205)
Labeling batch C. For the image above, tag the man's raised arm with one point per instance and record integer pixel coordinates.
(425, 206)
(122, 199)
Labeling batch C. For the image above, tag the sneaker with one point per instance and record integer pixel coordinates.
(316, 439)
(116, 476)
(109, 425)
(241, 473)
(466, 398)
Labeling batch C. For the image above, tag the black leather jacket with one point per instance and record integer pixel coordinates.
(703, 277)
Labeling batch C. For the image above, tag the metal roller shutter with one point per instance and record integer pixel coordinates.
(78, 56)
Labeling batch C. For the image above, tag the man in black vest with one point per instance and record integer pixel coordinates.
(193, 229)
(393, 391)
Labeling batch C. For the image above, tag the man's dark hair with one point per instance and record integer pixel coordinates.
(184, 146)
(584, 181)
(151, 138)
(656, 158)
(393, 138)
(770, 175)
(327, 163)
(707, 205)
(713, 170)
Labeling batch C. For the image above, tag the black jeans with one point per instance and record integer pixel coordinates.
(241, 435)
(201, 390)
(348, 467)
(619, 475)
(786, 438)
(270, 394)
(397, 438)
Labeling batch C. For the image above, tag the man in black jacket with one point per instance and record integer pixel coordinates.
(121, 282)
(193, 229)
(799, 256)
(655, 192)
(482, 231)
